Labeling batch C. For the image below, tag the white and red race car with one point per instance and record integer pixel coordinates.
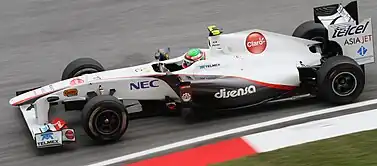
(323, 57)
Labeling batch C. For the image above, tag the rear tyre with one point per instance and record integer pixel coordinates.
(80, 67)
(104, 118)
(311, 30)
(340, 80)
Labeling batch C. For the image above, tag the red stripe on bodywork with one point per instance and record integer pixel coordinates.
(265, 84)
(203, 155)
(274, 86)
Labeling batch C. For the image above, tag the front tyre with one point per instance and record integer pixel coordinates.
(80, 67)
(104, 118)
(340, 80)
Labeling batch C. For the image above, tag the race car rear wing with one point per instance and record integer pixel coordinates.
(336, 13)
(356, 40)
(344, 27)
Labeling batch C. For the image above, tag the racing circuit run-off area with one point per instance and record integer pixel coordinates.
(188, 83)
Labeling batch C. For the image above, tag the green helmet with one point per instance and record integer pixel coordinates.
(192, 56)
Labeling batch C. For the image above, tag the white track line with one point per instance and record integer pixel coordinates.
(232, 131)
(312, 131)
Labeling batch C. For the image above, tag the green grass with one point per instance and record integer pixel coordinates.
(359, 149)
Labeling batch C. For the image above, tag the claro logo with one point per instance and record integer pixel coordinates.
(256, 43)
(223, 93)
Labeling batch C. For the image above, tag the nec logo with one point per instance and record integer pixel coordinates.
(47, 136)
(350, 30)
(144, 84)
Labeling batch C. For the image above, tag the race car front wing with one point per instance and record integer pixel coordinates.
(51, 134)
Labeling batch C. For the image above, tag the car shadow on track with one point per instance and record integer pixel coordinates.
(272, 107)
(160, 126)
(267, 107)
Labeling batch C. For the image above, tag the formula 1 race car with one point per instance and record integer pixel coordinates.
(324, 57)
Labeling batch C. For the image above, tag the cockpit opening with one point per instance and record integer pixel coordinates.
(167, 67)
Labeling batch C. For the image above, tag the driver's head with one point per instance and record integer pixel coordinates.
(192, 56)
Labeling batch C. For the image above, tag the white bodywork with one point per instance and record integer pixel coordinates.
(227, 54)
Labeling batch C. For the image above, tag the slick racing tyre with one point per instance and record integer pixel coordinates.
(311, 30)
(104, 118)
(340, 80)
(80, 67)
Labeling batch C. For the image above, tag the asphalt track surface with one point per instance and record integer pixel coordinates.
(39, 37)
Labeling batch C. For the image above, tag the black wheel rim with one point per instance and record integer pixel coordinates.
(85, 71)
(344, 84)
(107, 122)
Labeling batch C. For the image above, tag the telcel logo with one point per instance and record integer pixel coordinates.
(223, 93)
(143, 84)
(350, 30)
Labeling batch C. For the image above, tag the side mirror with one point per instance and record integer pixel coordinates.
(162, 54)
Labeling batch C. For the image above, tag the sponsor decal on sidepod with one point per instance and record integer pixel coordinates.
(223, 93)
(256, 43)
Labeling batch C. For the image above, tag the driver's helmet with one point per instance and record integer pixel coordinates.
(192, 56)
